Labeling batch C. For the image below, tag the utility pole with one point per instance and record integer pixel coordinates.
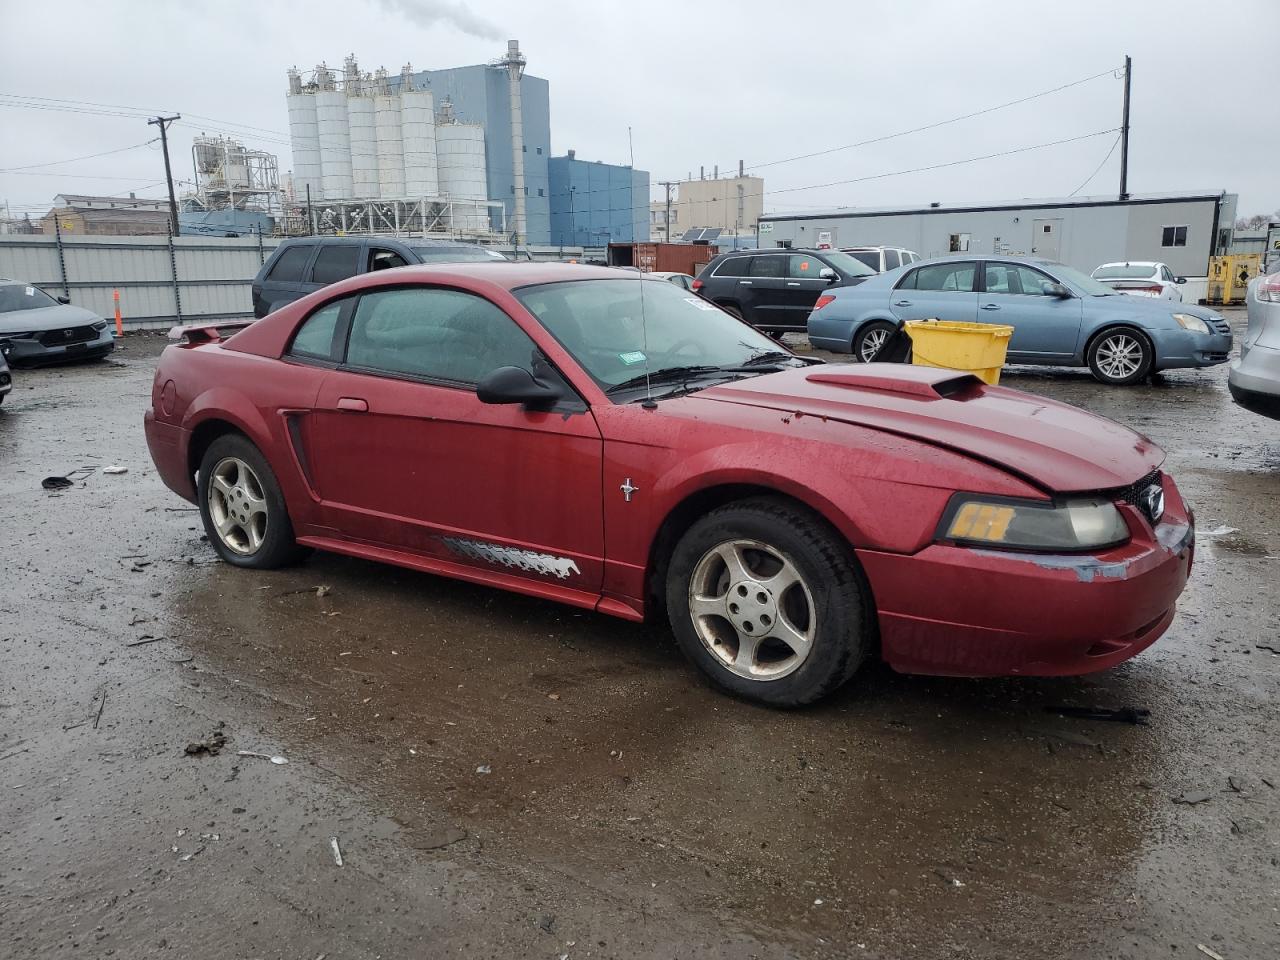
(668, 184)
(1124, 132)
(163, 124)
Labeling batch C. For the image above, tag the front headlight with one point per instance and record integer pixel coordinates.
(100, 325)
(1188, 322)
(1082, 523)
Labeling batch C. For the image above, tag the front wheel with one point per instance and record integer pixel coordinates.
(1120, 357)
(242, 507)
(870, 339)
(769, 602)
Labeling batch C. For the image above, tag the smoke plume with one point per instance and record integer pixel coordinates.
(430, 13)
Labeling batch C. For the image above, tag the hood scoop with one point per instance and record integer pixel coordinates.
(928, 383)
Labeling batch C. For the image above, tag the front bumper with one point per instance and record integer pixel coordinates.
(956, 611)
(1182, 348)
(31, 352)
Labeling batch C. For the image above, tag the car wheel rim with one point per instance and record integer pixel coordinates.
(237, 506)
(752, 609)
(1119, 357)
(871, 344)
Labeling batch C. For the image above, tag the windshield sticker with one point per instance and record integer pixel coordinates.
(701, 304)
(632, 358)
(31, 291)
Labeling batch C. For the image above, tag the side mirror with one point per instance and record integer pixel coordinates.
(829, 275)
(515, 385)
(1179, 280)
(64, 299)
(1056, 290)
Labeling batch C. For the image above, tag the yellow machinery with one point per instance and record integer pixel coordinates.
(1229, 276)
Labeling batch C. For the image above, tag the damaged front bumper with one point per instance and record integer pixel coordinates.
(963, 612)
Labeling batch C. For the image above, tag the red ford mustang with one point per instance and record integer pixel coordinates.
(615, 443)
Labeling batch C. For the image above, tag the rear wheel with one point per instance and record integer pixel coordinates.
(869, 340)
(1120, 357)
(242, 507)
(769, 602)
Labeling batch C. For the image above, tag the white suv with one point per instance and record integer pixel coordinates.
(881, 259)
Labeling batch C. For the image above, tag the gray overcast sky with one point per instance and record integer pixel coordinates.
(700, 84)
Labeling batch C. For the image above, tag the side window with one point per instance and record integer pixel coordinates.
(948, 277)
(314, 339)
(891, 261)
(380, 259)
(733, 267)
(288, 269)
(768, 266)
(997, 278)
(801, 267)
(1031, 282)
(336, 262)
(909, 281)
(436, 334)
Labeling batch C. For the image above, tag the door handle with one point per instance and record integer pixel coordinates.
(793, 283)
(353, 404)
(902, 303)
(745, 283)
(991, 306)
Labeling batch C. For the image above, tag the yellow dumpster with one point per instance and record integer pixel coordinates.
(976, 348)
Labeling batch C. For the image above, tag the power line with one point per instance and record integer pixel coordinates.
(91, 156)
(1115, 143)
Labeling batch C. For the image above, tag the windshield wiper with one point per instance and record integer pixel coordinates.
(766, 356)
(665, 375)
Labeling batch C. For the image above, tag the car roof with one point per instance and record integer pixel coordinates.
(747, 253)
(508, 275)
(868, 249)
(1130, 263)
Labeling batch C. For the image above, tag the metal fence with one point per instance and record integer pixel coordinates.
(162, 280)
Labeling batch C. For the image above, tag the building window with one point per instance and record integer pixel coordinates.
(540, 193)
(513, 189)
(539, 151)
(1174, 237)
(523, 148)
(959, 243)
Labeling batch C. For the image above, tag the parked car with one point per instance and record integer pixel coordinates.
(881, 259)
(605, 440)
(36, 328)
(1141, 278)
(775, 289)
(681, 280)
(303, 264)
(1060, 316)
(6, 378)
(1254, 379)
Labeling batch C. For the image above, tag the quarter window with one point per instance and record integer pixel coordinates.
(891, 261)
(1173, 237)
(288, 269)
(948, 277)
(314, 339)
(1166, 275)
(336, 262)
(435, 334)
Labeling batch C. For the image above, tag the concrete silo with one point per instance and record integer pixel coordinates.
(334, 136)
(421, 149)
(388, 138)
(463, 174)
(304, 136)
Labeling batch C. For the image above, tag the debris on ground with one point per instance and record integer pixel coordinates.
(262, 756)
(78, 475)
(102, 702)
(211, 744)
(1134, 715)
(484, 768)
(1193, 797)
(323, 591)
(1268, 648)
(1209, 952)
(337, 850)
(1220, 531)
(145, 638)
(115, 470)
(547, 923)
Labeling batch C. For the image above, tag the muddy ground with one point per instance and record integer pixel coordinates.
(506, 777)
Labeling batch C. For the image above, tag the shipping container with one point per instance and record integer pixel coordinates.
(687, 258)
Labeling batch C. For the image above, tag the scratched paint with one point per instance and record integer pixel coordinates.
(1084, 567)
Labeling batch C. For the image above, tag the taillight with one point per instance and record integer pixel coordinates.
(1269, 288)
(697, 285)
(1154, 291)
(823, 301)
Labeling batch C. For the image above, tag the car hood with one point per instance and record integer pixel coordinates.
(1149, 306)
(1058, 447)
(46, 318)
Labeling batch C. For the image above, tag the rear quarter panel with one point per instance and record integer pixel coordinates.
(834, 326)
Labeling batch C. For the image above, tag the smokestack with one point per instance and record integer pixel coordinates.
(514, 63)
(715, 172)
(702, 173)
(740, 168)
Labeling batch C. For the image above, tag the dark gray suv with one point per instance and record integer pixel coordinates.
(303, 264)
(775, 289)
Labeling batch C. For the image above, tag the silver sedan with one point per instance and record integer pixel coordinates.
(1254, 379)
(36, 328)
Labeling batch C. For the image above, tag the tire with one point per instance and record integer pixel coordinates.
(829, 604)
(870, 338)
(1120, 356)
(255, 530)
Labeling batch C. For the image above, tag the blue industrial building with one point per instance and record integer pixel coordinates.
(593, 204)
(480, 94)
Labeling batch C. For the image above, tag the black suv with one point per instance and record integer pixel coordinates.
(303, 264)
(776, 289)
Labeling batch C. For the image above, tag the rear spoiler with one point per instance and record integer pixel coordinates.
(212, 332)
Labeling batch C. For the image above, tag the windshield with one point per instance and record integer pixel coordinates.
(18, 296)
(1081, 281)
(870, 257)
(459, 254)
(600, 323)
(849, 265)
(1125, 271)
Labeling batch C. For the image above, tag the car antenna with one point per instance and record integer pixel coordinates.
(649, 403)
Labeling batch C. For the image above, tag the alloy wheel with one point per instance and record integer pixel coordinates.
(237, 506)
(871, 344)
(752, 609)
(1119, 356)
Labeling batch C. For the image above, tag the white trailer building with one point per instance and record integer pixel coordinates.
(1181, 229)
